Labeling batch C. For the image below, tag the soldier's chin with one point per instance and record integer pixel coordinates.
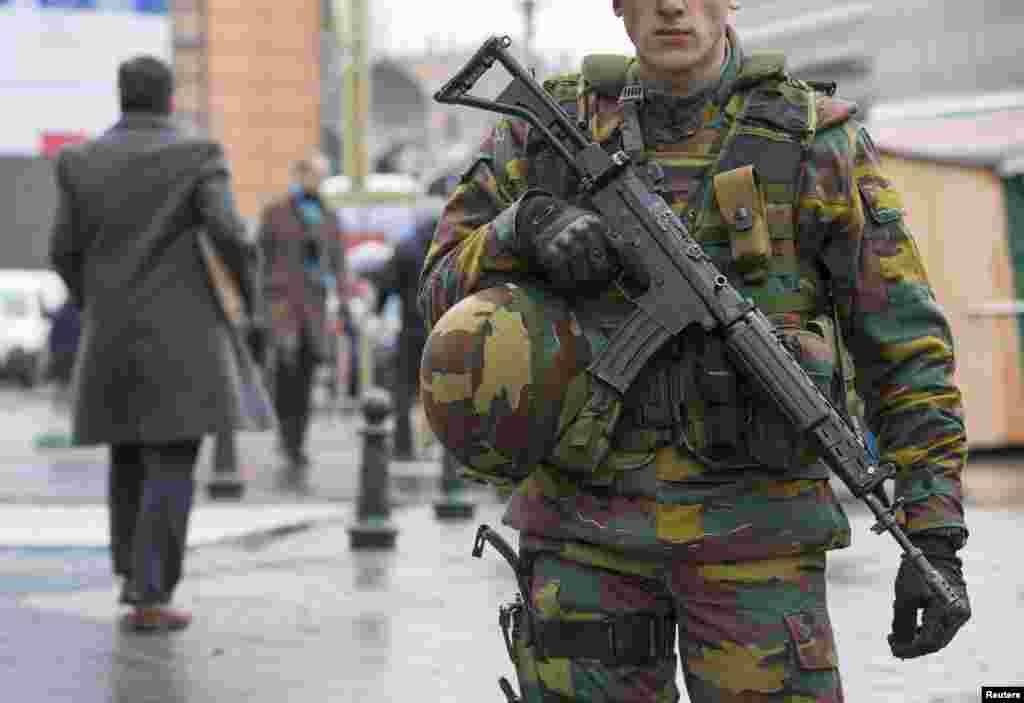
(675, 60)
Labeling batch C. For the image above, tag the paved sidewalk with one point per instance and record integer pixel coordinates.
(33, 474)
(304, 619)
(287, 612)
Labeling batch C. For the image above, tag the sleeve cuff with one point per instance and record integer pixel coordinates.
(520, 207)
(504, 230)
(935, 514)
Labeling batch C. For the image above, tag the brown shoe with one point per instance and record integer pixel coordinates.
(156, 618)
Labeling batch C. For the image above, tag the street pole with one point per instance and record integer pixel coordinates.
(529, 31)
(373, 528)
(352, 30)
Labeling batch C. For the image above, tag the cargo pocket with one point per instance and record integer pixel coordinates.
(883, 203)
(813, 643)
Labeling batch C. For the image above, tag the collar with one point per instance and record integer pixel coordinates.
(636, 89)
(731, 70)
(142, 120)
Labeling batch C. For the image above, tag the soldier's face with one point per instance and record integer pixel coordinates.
(676, 40)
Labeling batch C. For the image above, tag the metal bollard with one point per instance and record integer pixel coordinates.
(373, 528)
(452, 505)
(226, 483)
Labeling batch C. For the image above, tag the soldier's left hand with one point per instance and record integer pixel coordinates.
(913, 598)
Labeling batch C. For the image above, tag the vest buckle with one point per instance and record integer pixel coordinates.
(633, 92)
(744, 219)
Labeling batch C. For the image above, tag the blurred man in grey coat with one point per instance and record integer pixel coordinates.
(159, 364)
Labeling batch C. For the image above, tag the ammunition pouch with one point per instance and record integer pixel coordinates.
(717, 382)
(742, 204)
(654, 410)
(692, 395)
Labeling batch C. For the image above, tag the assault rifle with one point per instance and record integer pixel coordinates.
(682, 287)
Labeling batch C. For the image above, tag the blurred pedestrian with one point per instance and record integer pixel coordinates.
(160, 365)
(303, 258)
(401, 278)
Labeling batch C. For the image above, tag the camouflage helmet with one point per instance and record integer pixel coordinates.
(502, 375)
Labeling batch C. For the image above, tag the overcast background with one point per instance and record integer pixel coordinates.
(411, 25)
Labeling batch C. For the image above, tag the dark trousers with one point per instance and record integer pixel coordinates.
(150, 493)
(293, 391)
(225, 453)
(407, 386)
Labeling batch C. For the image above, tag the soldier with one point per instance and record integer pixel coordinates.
(709, 522)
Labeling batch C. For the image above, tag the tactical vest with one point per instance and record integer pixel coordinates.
(744, 215)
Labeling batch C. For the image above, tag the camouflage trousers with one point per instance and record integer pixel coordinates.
(751, 632)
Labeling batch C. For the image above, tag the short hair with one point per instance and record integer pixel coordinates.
(311, 162)
(145, 84)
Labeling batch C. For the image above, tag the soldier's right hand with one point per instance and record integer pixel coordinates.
(915, 601)
(568, 243)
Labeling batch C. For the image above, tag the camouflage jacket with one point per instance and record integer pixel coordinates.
(297, 302)
(845, 215)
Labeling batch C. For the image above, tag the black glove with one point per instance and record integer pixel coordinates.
(908, 639)
(567, 242)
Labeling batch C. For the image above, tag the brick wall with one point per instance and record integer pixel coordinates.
(263, 78)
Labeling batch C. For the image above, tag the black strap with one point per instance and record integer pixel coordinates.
(632, 133)
(826, 87)
(636, 640)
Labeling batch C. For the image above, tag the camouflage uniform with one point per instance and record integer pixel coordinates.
(735, 554)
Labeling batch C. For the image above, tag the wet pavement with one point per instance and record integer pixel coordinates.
(30, 473)
(294, 614)
(303, 618)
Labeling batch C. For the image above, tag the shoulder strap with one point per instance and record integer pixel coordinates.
(759, 67)
(772, 126)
